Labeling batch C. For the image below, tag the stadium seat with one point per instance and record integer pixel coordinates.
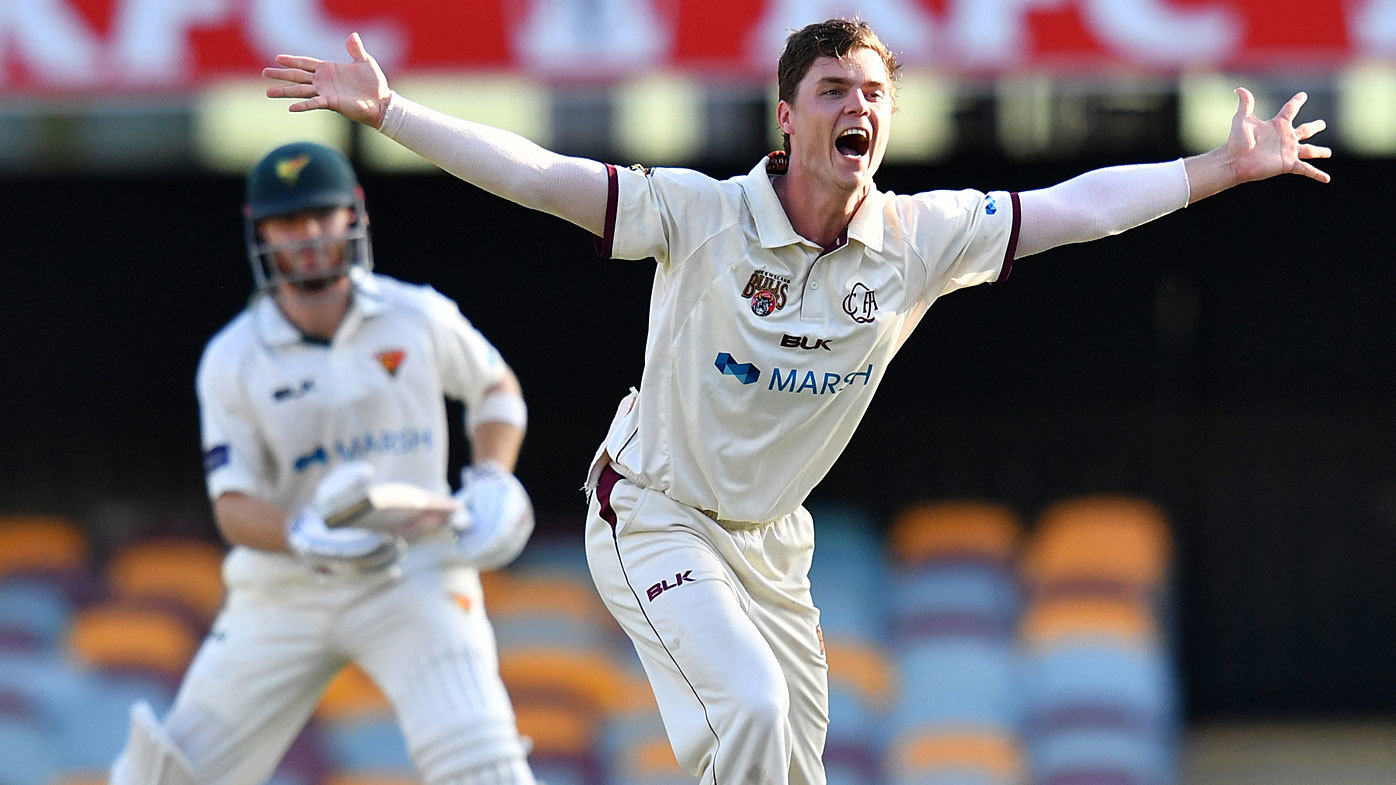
(116, 636)
(29, 755)
(958, 682)
(585, 679)
(95, 724)
(369, 742)
(41, 543)
(549, 611)
(956, 530)
(358, 728)
(181, 572)
(940, 756)
(636, 747)
(34, 615)
(948, 598)
(862, 683)
(351, 693)
(1099, 544)
(1051, 622)
(848, 573)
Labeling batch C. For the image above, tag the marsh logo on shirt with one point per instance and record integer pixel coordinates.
(391, 360)
(861, 303)
(746, 373)
(767, 292)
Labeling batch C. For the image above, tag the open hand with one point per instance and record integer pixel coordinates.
(356, 89)
(1263, 148)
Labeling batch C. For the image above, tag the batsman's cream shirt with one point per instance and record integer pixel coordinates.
(764, 349)
(278, 410)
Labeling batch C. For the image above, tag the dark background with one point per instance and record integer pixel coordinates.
(1232, 362)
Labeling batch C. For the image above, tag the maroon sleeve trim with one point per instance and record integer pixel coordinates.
(606, 241)
(1012, 238)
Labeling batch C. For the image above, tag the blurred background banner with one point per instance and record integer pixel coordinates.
(121, 45)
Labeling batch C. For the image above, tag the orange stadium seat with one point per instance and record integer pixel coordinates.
(1099, 539)
(1049, 622)
(556, 729)
(185, 571)
(117, 636)
(863, 667)
(955, 529)
(351, 693)
(964, 756)
(586, 679)
(41, 542)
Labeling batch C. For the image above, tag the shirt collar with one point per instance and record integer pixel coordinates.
(277, 330)
(773, 225)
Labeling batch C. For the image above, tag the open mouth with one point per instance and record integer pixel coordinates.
(854, 142)
(317, 284)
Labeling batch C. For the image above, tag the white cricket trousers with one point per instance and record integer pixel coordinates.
(423, 638)
(725, 627)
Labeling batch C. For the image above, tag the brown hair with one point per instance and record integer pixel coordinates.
(830, 38)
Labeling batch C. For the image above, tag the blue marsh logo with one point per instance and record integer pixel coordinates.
(746, 373)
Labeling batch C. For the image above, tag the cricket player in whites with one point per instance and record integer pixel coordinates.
(323, 414)
(780, 296)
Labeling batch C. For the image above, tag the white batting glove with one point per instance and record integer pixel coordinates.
(344, 551)
(495, 518)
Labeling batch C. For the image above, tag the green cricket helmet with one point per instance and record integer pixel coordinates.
(302, 177)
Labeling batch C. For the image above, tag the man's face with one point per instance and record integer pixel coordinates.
(840, 119)
(311, 256)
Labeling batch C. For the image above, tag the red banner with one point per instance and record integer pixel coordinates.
(163, 45)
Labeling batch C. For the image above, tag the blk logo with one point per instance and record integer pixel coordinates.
(680, 578)
(803, 342)
(291, 392)
(746, 373)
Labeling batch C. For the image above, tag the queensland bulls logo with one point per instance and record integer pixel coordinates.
(767, 292)
(861, 303)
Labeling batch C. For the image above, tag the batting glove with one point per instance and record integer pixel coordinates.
(495, 518)
(346, 551)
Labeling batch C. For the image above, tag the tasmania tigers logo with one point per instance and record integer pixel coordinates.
(391, 360)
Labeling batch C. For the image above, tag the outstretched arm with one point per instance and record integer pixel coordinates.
(1109, 201)
(503, 163)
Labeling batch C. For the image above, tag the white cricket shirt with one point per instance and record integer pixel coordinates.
(764, 350)
(278, 410)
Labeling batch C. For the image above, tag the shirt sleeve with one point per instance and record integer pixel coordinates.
(469, 364)
(966, 237)
(661, 213)
(233, 451)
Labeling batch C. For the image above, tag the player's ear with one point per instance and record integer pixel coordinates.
(783, 117)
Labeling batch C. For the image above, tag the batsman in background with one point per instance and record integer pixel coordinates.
(330, 385)
(780, 296)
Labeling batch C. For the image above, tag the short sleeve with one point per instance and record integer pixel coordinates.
(660, 213)
(968, 237)
(233, 451)
(468, 363)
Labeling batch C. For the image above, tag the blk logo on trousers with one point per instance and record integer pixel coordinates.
(680, 578)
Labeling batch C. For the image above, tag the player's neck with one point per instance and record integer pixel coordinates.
(316, 318)
(816, 212)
